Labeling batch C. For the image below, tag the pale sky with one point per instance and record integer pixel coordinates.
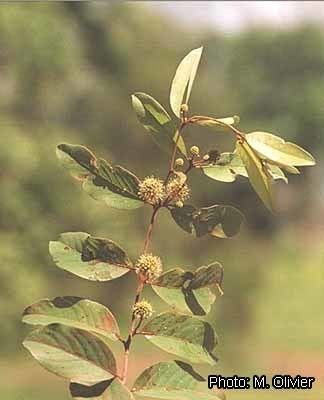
(233, 16)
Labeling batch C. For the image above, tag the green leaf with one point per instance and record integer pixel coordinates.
(219, 221)
(157, 121)
(88, 257)
(112, 389)
(218, 124)
(190, 291)
(182, 335)
(72, 353)
(229, 165)
(276, 172)
(77, 159)
(75, 312)
(174, 380)
(183, 80)
(116, 186)
(259, 175)
(226, 168)
(277, 150)
(289, 169)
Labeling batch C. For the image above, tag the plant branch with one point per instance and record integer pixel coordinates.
(174, 152)
(149, 231)
(132, 331)
(135, 325)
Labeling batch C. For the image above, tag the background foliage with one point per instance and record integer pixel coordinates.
(67, 72)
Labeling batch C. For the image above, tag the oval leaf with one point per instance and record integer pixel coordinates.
(157, 121)
(116, 186)
(174, 380)
(72, 353)
(75, 312)
(277, 150)
(277, 173)
(106, 390)
(196, 302)
(190, 291)
(259, 175)
(185, 336)
(218, 124)
(88, 257)
(183, 80)
(226, 168)
(77, 159)
(219, 221)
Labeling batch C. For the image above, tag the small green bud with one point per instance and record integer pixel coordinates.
(179, 162)
(194, 150)
(184, 108)
(143, 309)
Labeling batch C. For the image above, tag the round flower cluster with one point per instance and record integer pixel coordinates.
(151, 190)
(149, 267)
(143, 309)
(194, 150)
(177, 190)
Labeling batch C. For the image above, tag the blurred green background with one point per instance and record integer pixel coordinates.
(67, 71)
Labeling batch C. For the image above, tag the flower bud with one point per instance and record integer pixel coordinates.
(143, 309)
(149, 267)
(179, 162)
(194, 150)
(179, 204)
(184, 108)
(151, 190)
(206, 157)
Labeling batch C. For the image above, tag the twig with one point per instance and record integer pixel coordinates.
(132, 331)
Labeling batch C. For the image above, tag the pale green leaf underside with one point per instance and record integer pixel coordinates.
(75, 312)
(110, 198)
(259, 176)
(219, 124)
(90, 258)
(157, 121)
(174, 380)
(276, 149)
(116, 186)
(72, 353)
(277, 173)
(230, 165)
(226, 168)
(197, 302)
(191, 352)
(183, 80)
(190, 292)
(182, 335)
(106, 390)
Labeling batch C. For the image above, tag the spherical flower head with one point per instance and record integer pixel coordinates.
(151, 190)
(143, 309)
(149, 267)
(179, 162)
(194, 151)
(177, 190)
